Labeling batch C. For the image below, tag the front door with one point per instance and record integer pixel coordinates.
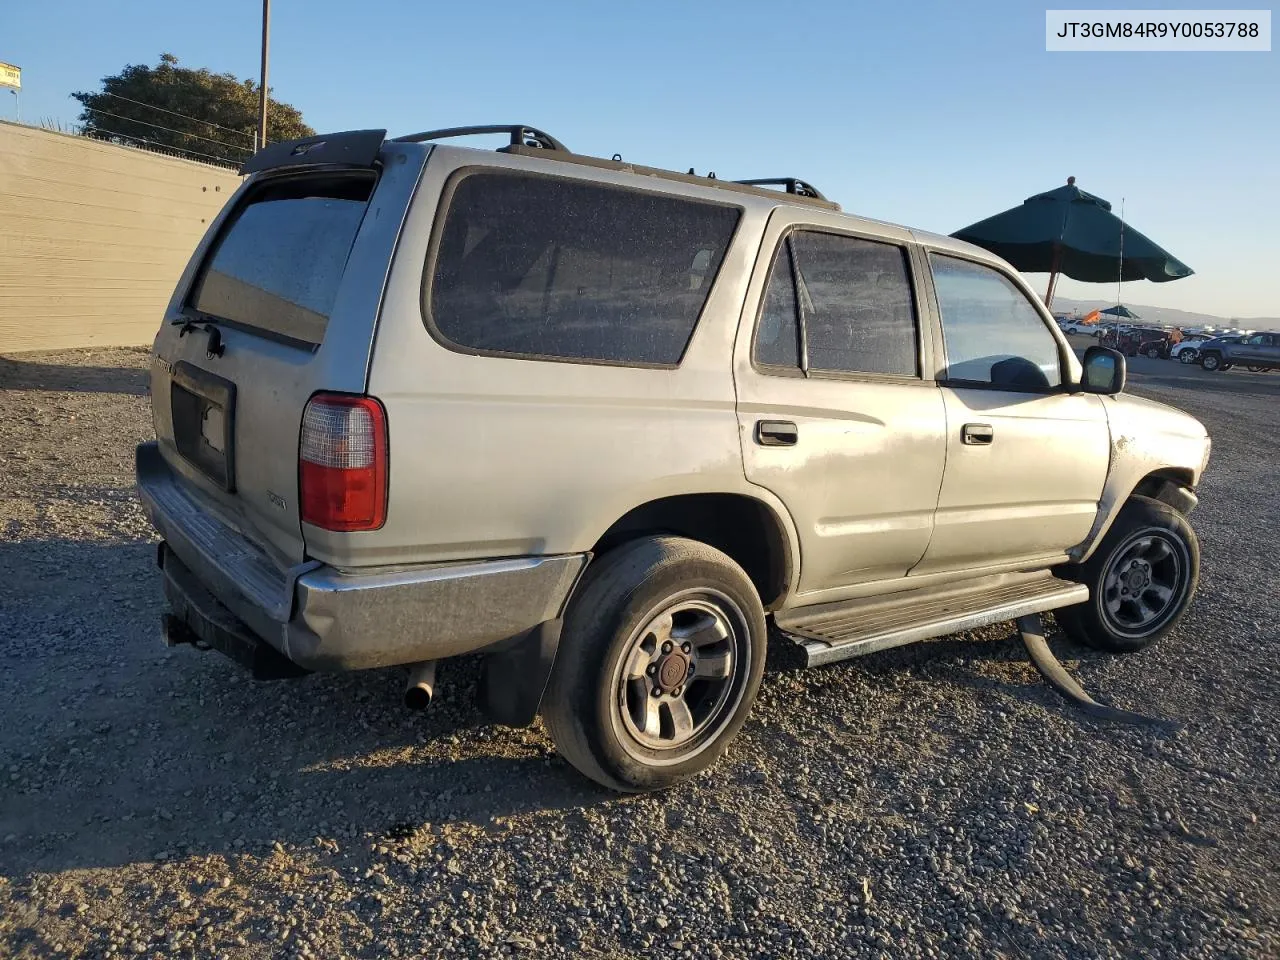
(835, 416)
(1026, 459)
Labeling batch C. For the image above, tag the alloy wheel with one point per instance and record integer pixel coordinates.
(1144, 582)
(678, 679)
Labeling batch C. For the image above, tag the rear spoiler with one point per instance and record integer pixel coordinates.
(354, 148)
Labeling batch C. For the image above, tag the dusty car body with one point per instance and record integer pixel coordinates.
(611, 427)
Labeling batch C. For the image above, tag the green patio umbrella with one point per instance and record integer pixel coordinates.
(1067, 231)
(1120, 312)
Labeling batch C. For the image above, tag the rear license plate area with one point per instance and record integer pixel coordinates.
(203, 410)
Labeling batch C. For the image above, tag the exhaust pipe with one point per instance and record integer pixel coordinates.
(421, 686)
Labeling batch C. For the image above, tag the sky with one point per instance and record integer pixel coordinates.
(934, 115)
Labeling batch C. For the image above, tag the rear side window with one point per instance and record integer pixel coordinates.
(838, 304)
(778, 335)
(857, 304)
(277, 266)
(542, 267)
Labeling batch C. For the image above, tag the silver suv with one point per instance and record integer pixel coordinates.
(617, 428)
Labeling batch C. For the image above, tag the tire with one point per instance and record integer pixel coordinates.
(1187, 356)
(645, 612)
(1153, 353)
(1152, 545)
(1212, 362)
(1253, 368)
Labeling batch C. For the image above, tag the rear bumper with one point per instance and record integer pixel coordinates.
(322, 618)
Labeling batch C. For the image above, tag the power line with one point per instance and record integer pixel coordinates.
(93, 134)
(150, 106)
(181, 133)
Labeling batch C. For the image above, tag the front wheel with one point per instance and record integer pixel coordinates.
(1211, 362)
(1140, 579)
(660, 658)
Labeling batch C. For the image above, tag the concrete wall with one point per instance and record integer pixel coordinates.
(93, 237)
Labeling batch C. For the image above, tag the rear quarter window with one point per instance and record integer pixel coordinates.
(544, 267)
(277, 265)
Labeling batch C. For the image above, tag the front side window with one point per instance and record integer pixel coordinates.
(544, 267)
(992, 333)
(853, 300)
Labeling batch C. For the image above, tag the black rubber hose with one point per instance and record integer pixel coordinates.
(1032, 631)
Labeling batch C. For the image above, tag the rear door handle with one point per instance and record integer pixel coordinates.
(977, 434)
(776, 433)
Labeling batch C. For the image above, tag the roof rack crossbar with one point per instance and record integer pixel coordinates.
(521, 135)
(794, 185)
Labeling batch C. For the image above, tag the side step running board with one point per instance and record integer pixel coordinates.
(835, 631)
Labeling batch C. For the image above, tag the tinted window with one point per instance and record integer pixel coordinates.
(777, 334)
(278, 267)
(856, 304)
(543, 267)
(992, 332)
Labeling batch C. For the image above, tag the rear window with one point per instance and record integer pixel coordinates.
(543, 267)
(277, 266)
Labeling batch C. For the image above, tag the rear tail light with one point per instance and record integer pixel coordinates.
(342, 463)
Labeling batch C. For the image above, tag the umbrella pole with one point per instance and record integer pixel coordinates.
(1053, 275)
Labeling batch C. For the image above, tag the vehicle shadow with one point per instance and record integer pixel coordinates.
(17, 373)
(116, 750)
(119, 751)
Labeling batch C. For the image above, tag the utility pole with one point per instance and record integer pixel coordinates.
(262, 90)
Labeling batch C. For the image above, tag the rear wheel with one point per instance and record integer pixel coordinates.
(1153, 353)
(660, 658)
(1187, 356)
(1141, 579)
(1254, 368)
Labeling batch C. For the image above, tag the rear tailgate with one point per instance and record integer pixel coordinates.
(280, 301)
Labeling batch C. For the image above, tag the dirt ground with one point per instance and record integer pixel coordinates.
(933, 801)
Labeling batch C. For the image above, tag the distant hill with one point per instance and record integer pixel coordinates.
(1167, 316)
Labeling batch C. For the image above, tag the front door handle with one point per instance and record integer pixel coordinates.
(977, 434)
(776, 433)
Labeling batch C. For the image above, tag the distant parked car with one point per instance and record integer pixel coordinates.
(1157, 348)
(1134, 340)
(1258, 352)
(1075, 326)
(1188, 349)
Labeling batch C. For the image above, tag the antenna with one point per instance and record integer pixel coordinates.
(1120, 273)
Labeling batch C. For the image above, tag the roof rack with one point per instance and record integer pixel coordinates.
(795, 186)
(521, 135)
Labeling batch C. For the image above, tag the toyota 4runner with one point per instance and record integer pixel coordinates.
(616, 428)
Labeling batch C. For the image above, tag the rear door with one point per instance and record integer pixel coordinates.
(1026, 459)
(277, 304)
(835, 416)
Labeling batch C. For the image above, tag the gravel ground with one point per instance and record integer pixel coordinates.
(933, 801)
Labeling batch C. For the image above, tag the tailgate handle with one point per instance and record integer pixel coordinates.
(977, 434)
(776, 433)
(215, 347)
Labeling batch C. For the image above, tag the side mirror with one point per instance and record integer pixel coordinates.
(1105, 371)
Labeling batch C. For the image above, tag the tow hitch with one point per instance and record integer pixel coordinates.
(1031, 630)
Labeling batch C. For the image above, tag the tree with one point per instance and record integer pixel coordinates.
(203, 114)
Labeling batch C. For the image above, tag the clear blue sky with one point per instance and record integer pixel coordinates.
(930, 114)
